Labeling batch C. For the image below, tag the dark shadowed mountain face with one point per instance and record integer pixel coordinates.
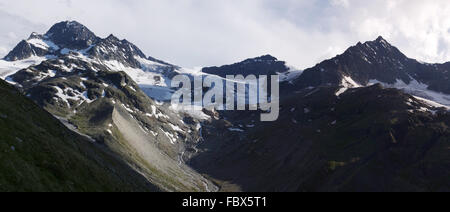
(25, 50)
(40, 154)
(264, 65)
(368, 139)
(71, 35)
(376, 61)
(337, 133)
(123, 51)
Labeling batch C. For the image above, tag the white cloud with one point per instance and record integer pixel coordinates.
(342, 3)
(3, 51)
(203, 32)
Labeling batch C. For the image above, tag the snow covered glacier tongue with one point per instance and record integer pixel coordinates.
(251, 92)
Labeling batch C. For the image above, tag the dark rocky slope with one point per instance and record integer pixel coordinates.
(368, 139)
(40, 154)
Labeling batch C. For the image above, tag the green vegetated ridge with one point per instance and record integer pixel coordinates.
(38, 153)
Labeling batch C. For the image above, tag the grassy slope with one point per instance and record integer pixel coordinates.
(38, 153)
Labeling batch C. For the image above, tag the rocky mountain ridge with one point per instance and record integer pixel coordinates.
(339, 121)
(96, 92)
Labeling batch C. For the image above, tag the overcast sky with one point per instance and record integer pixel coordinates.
(194, 33)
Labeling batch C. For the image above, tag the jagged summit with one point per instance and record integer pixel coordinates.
(73, 42)
(380, 39)
(263, 65)
(112, 37)
(365, 62)
(377, 46)
(63, 36)
(378, 61)
(66, 27)
(267, 57)
(71, 34)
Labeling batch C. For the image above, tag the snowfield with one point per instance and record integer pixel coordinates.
(8, 68)
(347, 83)
(419, 90)
(43, 44)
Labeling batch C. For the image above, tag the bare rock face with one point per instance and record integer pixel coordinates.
(25, 50)
(264, 65)
(376, 61)
(71, 35)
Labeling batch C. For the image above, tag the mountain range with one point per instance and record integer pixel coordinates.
(370, 119)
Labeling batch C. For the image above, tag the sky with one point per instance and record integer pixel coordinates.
(198, 33)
